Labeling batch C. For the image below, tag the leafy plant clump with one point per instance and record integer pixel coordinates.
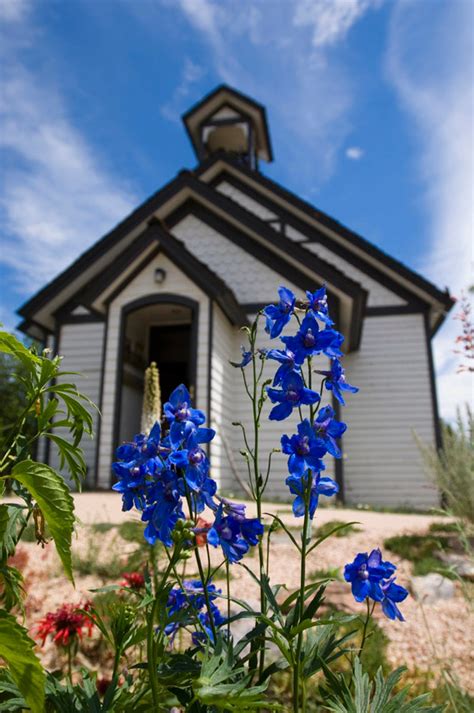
(422, 551)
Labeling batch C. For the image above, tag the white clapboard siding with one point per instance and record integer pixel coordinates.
(379, 295)
(249, 278)
(253, 206)
(176, 283)
(222, 400)
(382, 463)
(81, 346)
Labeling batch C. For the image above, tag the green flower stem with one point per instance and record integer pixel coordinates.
(151, 647)
(258, 484)
(199, 565)
(69, 663)
(370, 611)
(300, 605)
(227, 576)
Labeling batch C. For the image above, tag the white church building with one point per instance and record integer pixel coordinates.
(178, 277)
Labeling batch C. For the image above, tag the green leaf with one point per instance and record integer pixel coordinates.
(331, 532)
(16, 648)
(11, 589)
(55, 501)
(10, 517)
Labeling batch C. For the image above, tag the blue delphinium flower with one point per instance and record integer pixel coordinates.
(279, 315)
(320, 485)
(366, 573)
(304, 450)
(292, 394)
(246, 359)
(193, 461)
(327, 430)
(182, 417)
(393, 594)
(318, 305)
(287, 363)
(202, 637)
(234, 533)
(250, 528)
(310, 340)
(336, 381)
(164, 509)
(188, 603)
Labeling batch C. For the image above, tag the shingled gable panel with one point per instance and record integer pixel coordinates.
(262, 185)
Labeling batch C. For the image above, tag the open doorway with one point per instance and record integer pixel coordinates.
(163, 333)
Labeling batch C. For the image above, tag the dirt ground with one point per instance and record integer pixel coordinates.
(434, 637)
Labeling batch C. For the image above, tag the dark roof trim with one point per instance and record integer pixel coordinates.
(27, 325)
(177, 252)
(332, 224)
(318, 236)
(385, 311)
(238, 95)
(275, 239)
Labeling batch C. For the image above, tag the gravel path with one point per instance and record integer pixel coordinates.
(433, 637)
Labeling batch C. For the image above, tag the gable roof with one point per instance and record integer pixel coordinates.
(175, 193)
(155, 234)
(350, 238)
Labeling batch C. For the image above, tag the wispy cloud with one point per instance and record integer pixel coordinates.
(14, 10)
(354, 153)
(57, 199)
(192, 74)
(429, 63)
(278, 51)
(331, 20)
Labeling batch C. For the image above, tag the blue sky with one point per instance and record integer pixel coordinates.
(369, 105)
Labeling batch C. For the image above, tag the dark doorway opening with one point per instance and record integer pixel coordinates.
(170, 348)
(163, 332)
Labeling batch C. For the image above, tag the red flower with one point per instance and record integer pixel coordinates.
(134, 580)
(65, 624)
(202, 526)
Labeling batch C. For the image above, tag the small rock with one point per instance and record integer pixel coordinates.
(432, 587)
(462, 565)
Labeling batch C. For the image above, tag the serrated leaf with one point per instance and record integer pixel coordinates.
(16, 648)
(55, 501)
(10, 517)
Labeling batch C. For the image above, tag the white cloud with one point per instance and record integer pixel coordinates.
(354, 153)
(429, 62)
(56, 198)
(331, 20)
(192, 74)
(14, 10)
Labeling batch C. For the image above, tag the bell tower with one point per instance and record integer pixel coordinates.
(229, 122)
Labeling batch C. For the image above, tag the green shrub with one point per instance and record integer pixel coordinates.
(452, 467)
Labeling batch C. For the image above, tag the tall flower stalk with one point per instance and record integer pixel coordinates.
(292, 390)
(151, 409)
